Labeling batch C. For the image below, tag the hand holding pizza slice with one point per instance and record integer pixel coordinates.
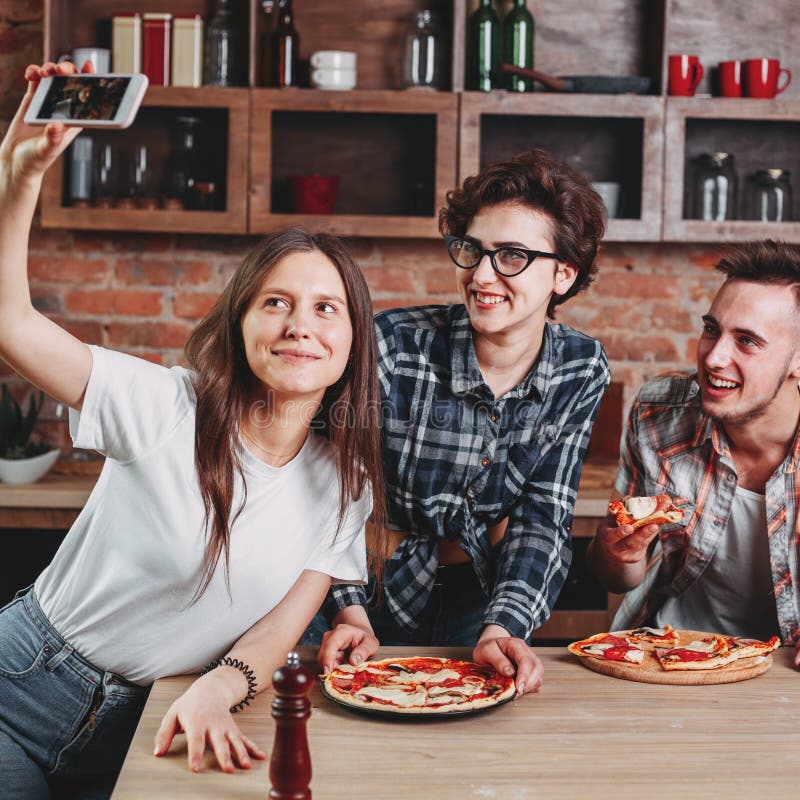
(640, 511)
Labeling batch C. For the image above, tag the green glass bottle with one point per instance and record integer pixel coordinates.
(518, 45)
(483, 49)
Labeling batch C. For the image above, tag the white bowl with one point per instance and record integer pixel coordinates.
(27, 470)
(339, 79)
(333, 59)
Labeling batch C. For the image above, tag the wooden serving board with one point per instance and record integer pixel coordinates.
(650, 671)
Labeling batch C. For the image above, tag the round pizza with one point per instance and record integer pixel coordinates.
(420, 685)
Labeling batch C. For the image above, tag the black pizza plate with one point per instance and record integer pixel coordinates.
(389, 714)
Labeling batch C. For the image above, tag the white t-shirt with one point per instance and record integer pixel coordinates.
(119, 589)
(733, 594)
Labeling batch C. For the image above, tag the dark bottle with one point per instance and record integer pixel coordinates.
(224, 46)
(518, 45)
(483, 49)
(286, 47)
(290, 761)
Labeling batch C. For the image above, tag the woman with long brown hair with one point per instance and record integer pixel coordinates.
(234, 492)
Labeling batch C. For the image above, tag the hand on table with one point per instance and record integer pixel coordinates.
(346, 643)
(797, 655)
(510, 656)
(202, 712)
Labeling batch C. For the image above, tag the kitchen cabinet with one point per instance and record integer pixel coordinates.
(396, 152)
(761, 134)
(391, 152)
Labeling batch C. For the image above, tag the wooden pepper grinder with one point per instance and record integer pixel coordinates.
(290, 763)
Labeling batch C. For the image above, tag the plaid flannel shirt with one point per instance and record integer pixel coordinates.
(458, 460)
(671, 447)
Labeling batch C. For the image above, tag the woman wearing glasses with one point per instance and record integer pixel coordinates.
(487, 410)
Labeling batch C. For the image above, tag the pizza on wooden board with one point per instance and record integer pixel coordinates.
(640, 511)
(421, 685)
(685, 650)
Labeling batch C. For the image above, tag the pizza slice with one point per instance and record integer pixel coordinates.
(610, 647)
(707, 653)
(745, 648)
(666, 636)
(639, 511)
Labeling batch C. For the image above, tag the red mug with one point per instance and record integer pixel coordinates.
(315, 194)
(685, 73)
(761, 77)
(730, 78)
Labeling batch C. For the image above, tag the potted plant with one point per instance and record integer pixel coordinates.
(22, 460)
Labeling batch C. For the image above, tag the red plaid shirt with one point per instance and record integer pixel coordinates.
(671, 447)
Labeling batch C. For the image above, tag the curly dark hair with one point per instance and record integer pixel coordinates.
(535, 179)
(765, 261)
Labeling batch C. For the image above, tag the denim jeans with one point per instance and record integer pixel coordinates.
(65, 725)
(452, 617)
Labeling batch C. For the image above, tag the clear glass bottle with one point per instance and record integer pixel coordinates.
(518, 27)
(769, 196)
(714, 187)
(424, 60)
(224, 45)
(286, 47)
(483, 49)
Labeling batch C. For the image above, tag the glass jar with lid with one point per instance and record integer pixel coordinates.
(769, 195)
(714, 190)
(424, 61)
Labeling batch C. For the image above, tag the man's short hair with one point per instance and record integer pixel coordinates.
(765, 261)
(536, 180)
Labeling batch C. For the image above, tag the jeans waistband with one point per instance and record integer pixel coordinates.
(63, 651)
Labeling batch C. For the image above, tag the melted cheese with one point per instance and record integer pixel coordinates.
(701, 647)
(395, 695)
(421, 677)
(640, 507)
(598, 649)
(467, 690)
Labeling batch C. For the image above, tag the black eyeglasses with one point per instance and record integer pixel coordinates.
(506, 261)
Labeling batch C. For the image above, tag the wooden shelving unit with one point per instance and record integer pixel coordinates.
(392, 152)
(227, 113)
(762, 134)
(643, 142)
(609, 138)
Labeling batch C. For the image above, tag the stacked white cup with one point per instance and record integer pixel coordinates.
(333, 69)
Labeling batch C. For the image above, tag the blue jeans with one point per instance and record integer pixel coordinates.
(65, 725)
(452, 617)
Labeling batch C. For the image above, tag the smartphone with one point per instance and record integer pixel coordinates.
(87, 100)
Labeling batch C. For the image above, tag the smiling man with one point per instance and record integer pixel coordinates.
(724, 443)
(487, 409)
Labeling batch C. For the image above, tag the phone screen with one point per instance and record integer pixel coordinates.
(83, 97)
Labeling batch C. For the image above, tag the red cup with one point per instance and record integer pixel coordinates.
(315, 194)
(761, 77)
(730, 78)
(685, 74)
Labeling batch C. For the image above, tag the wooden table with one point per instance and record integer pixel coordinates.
(584, 735)
(52, 503)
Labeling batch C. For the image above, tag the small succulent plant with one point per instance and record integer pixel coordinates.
(16, 427)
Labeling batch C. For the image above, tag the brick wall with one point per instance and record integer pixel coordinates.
(143, 293)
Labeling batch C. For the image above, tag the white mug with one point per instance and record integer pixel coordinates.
(99, 56)
(609, 193)
(333, 59)
(341, 79)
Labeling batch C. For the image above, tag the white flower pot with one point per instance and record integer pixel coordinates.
(27, 470)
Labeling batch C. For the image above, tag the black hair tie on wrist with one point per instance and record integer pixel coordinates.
(227, 661)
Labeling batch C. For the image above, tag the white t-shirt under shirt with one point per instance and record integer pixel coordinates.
(120, 587)
(734, 593)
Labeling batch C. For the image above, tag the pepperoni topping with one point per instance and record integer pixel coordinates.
(681, 654)
(617, 653)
